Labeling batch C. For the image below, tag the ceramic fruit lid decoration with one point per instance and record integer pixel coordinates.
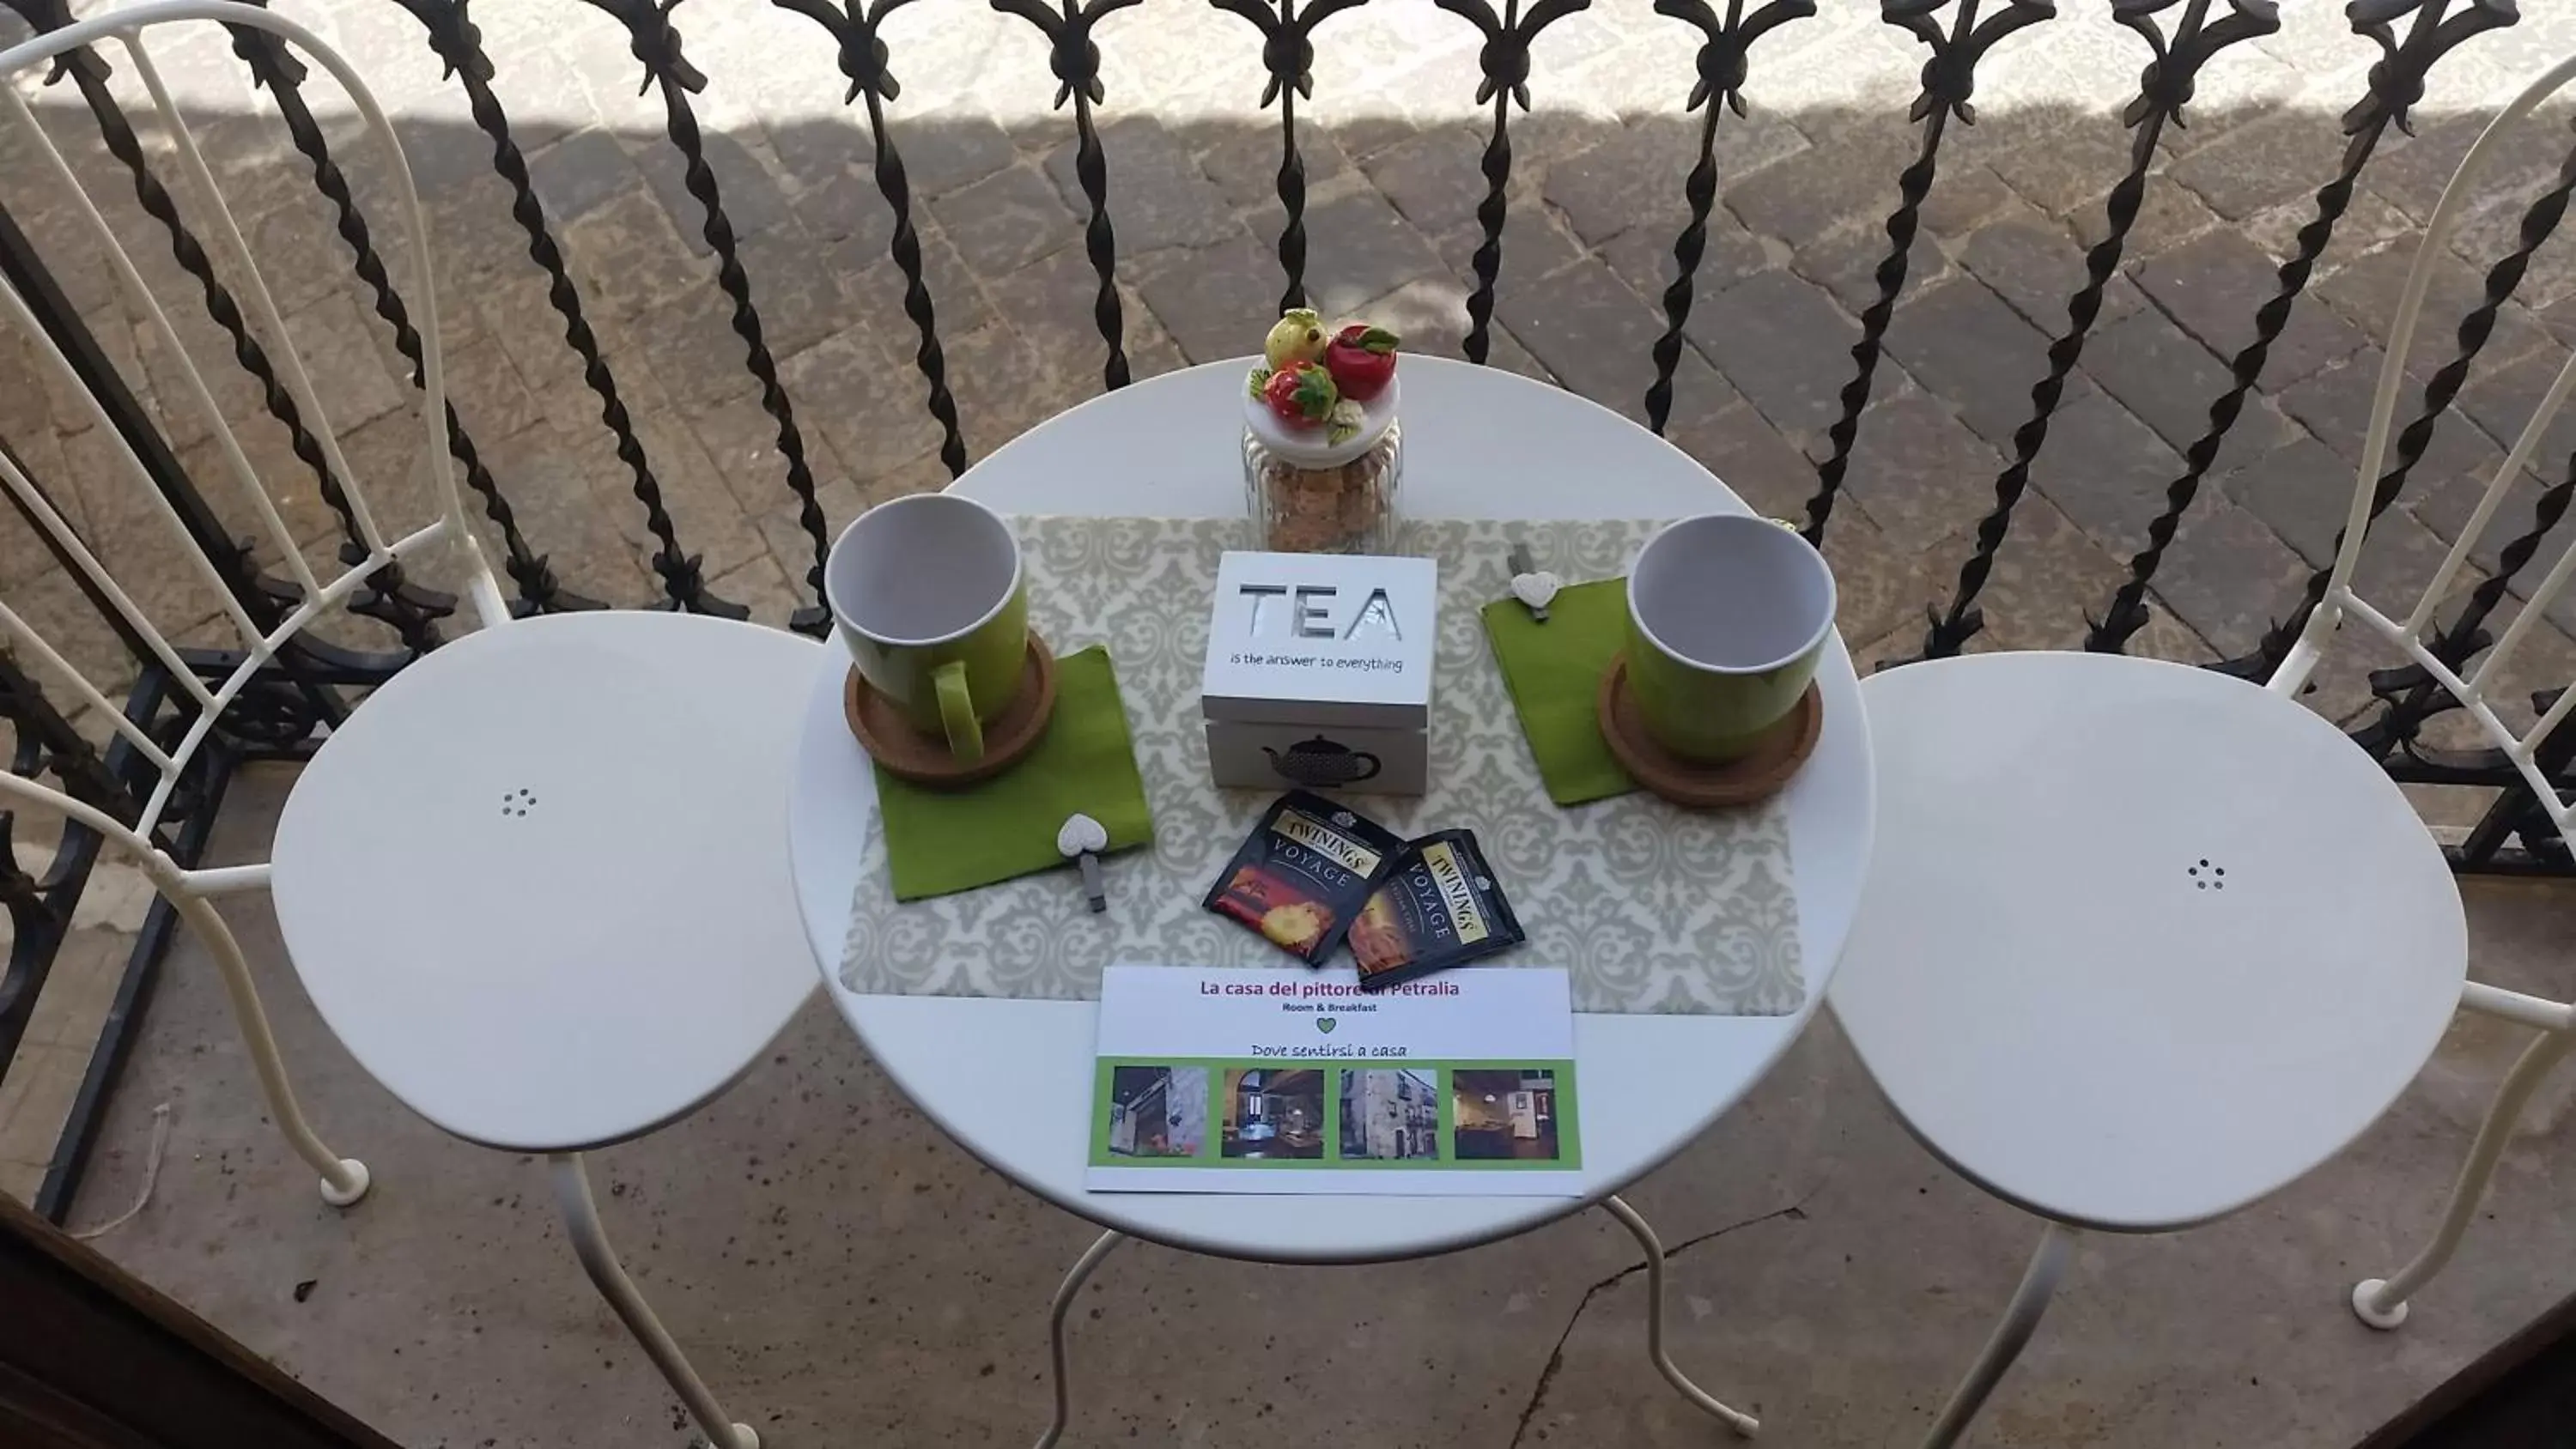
(1321, 397)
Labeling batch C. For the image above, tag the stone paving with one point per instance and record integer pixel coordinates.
(1391, 141)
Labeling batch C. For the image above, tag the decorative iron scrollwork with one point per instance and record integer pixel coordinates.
(411, 611)
(1072, 54)
(46, 740)
(1949, 79)
(2417, 698)
(274, 67)
(862, 50)
(655, 43)
(1723, 62)
(1504, 59)
(854, 28)
(458, 45)
(1288, 54)
(2396, 83)
(2516, 811)
(1075, 60)
(2397, 78)
(391, 598)
(2170, 80)
(1950, 74)
(35, 929)
(2163, 88)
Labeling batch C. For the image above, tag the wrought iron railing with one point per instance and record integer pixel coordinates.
(2179, 41)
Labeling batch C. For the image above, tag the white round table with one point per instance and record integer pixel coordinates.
(1478, 443)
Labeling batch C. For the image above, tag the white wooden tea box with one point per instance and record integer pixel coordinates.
(1318, 672)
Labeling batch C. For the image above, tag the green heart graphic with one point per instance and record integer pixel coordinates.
(1325, 1024)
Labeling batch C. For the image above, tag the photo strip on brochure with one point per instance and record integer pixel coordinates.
(1269, 1081)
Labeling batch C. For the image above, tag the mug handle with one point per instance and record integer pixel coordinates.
(957, 712)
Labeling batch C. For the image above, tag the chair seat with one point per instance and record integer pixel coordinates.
(538, 884)
(2140, 943)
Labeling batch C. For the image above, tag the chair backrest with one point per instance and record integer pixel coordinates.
(122, 32)
(2416, 630)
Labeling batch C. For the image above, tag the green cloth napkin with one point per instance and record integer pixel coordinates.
(1554, 673)
(939, 842)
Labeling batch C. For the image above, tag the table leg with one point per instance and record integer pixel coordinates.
(590, 1244)
(2021, 1319)
(1064, 1296)
(1629, 1218)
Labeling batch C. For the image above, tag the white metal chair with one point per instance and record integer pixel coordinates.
(2381, 1303)
(537, 884)
(2143, 943)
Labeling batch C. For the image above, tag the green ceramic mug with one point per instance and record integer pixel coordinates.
(928, 593)
(1727, 615)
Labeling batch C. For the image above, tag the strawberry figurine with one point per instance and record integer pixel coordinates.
(1301, 393)
(1361, 359)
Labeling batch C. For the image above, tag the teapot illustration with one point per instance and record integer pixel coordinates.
(1322, 762)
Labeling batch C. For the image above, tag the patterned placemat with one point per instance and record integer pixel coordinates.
(1654, 909)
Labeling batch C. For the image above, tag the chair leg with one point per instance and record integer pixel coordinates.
(2381, 1302)
(2021, 1319)
(1629, 1218)
(1064, 1296)
(590, 1244)
(344, 1179)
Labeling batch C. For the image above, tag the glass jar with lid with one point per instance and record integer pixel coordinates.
(1325, 487)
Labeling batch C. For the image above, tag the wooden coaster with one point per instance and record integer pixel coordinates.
(1755, 776)
(907, 753)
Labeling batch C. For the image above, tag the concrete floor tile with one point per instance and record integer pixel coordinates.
(21, 1181)
(1643, 258)
(1750, 457)
(627, 256)
(2214, 285)
(1596, 337)
(1359, 247)
(1535, 244)
(1918, 470)
(1158, 197)
(1972, 350)
(2039, 269)
(2165, 376)
(1006, 220)
(36, 1097)
(1786, 346)
(80, 987)
(1847, 264)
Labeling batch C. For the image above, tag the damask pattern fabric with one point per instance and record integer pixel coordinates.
(1653, 909)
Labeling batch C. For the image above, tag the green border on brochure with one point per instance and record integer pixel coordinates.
(1569, 1133)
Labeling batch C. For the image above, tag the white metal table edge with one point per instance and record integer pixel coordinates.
(832, 777)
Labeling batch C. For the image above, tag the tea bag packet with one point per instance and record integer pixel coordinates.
(1440, 908)
(1304, 873)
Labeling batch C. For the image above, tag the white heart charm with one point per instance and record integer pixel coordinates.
(1080, 833)
(1536, 589)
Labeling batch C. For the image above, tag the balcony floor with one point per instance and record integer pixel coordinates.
(843, 1274)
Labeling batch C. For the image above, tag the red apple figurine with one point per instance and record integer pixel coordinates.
(1361, 359)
